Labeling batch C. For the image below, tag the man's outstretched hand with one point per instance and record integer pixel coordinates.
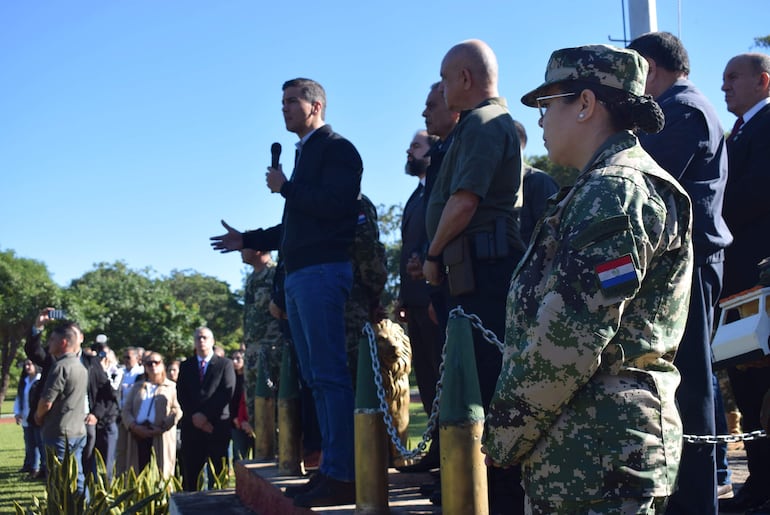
(228, 242)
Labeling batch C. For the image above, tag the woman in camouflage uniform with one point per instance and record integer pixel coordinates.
(597, 306)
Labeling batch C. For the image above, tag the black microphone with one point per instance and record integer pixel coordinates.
(275, 152)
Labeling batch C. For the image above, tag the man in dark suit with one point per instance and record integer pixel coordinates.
(746, 83)
(205, 387)
(698, 161)
(315, 238)
(440, 121)
(414, 294)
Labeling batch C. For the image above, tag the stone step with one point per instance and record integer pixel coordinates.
(221, 502)
(260, 487)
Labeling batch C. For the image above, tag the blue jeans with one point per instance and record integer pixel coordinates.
(76, 446)
(33, 460)
(315, 304)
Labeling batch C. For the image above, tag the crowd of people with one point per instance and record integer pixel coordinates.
(78, 397)
(604, 292)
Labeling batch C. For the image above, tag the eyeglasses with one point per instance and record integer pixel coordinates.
(152, 362)
(236, 358)
(544, 107)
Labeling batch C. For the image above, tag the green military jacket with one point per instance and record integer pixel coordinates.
(596, 310)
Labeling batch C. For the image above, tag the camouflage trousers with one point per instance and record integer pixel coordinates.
(618, 506)
(266, 357)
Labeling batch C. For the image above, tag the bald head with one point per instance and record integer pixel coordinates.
(469, 74)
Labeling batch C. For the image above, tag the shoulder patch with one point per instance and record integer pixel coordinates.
(617, 275)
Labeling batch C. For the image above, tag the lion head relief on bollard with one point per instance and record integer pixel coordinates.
(395, 355)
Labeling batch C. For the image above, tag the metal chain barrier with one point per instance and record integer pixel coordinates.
(693, 439)
(490, 337)
(712, 439)
(433, 418)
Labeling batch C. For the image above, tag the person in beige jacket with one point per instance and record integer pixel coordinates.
(150, 414)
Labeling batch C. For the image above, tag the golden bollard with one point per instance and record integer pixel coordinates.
(289, 418)
(463, 473)
(264, 415)
(371, 440)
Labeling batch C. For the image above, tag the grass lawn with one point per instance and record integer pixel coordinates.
(7, 407)
(418, 420)
(12, 485)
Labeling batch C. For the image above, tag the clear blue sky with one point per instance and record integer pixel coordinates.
(128, 129)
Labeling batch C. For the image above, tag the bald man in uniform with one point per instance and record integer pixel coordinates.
(473, 231)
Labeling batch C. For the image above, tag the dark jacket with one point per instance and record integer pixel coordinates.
(691, 147)
(20, 392)
(102, 399)
(537, 188)
(747, 204)
(210, 397)
(321, 209)
(414, 240)
(44, 361)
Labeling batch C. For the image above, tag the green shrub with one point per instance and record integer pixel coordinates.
(148, 492)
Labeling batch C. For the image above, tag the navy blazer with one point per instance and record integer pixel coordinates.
(747, 202)
(321, 209)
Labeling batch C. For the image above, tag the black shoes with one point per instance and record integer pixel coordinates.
(294, 491)
(426, 464)
(430, 461)
(328, 492)
(746, 499)
(762, 509)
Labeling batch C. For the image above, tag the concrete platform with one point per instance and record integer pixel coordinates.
(260, 486)
(259, 489)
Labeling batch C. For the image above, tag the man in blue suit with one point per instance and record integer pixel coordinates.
(691, 147)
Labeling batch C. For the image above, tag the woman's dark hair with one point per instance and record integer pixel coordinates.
(627, 111)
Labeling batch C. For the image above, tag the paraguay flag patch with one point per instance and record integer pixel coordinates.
(618, 275)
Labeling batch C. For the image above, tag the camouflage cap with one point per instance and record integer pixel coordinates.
(603, 64)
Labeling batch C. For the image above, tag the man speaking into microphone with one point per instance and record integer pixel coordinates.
(314, 239)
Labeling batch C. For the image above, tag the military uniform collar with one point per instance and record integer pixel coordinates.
(614, 144)
(490, 101)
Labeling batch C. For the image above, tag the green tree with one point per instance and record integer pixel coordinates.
(25, 288)
(389, 220)
(563, 175)
(213, 299)
(763, 42)
(132, 309)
